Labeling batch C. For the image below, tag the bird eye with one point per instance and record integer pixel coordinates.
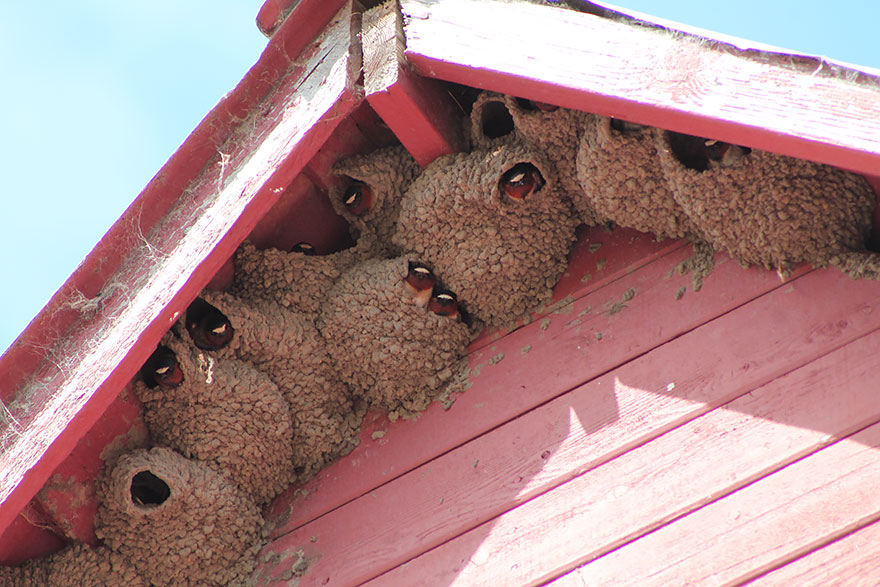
(304, 248)
(521, 181)
(208, 327)
(358, 198)
(162, 369)
(444, 303)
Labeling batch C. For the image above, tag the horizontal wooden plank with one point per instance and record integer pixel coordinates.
(120, 325)
(681, 471)
(575, 342)
(796, 106)
(580, 430)
(851, 560)
(782, 516)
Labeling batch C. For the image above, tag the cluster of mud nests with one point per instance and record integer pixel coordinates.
(266, 383)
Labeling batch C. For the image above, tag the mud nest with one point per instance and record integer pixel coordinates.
(226, 414)
(367, 192)
(387, 348)
(619, 171)
(295, 280)
(547, 130)
(177, 521)
(495, 226)
(767, 209)
(288, 348)
(75, 566)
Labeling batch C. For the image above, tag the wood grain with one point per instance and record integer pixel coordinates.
(791, 105)
(165, 268)
(583, 429)
(683, 471)
(850, 560)
(574, 343)
(779, 518)
(420, 111)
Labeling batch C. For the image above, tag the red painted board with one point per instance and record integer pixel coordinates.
(302, 214)
(69, 495)
(624, 501)
(533, 365)
(420, 111)
(166, 268)
(360, 132)
(802, 107)
(850, 560)
(776, 519)
(585, 428)
(30, 535)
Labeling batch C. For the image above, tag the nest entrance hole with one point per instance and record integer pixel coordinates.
(699, 153)
(148, 490)
(496, 120)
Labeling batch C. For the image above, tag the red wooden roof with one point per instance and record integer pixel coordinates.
(676, 437)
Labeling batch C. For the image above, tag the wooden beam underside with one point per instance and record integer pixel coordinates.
(114, 332)
(794, 106)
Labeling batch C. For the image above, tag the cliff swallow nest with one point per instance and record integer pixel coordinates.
(268, 382)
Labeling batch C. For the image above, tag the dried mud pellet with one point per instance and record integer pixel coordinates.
(619, 171)
(177, 521)
(75, 566)
(387, 348)
(556, 135)
(295, 280)
(500, 255)
(226, 414)
(288, 348)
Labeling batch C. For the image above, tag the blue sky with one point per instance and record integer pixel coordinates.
(98, 94)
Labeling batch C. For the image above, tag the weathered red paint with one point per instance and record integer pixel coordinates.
(162, 212)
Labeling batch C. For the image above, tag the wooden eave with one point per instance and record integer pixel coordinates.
(271, 140)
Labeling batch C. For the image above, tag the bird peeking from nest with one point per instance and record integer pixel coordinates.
(162, 369)
(358, 198)
(307, 249)
(209, 328)
(701, 154)
(419, 283)
(521, 181)
(444, 303)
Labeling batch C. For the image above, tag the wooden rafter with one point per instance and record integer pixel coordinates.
(193, 225)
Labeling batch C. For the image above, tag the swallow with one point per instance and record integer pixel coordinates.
(723, 154)
(358, 198)
(209, 328)
(535, 105)
(162, 369)
(521, 181)
(419, 283)
(444, 303)
(700, 154)
(305, 248)
(626, 127)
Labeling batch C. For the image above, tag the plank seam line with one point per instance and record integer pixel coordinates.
(630, 446)
(766, 472)
(805, 551)
(734, 488)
